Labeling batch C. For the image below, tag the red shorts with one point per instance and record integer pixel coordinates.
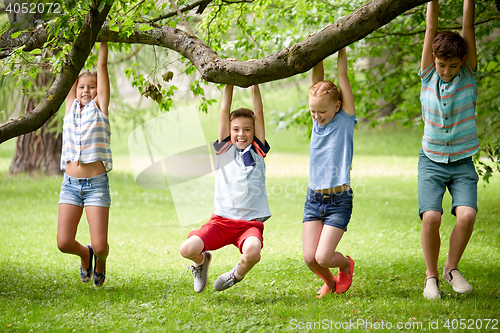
(221, 231)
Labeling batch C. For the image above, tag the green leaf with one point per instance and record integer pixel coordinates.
(145, 27)
(16, 34)
(101, 6)
(114, 27)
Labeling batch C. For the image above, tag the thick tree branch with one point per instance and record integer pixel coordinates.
(33, 39)
(62, 84)
(295, 59)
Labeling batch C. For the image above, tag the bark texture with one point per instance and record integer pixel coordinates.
(38, 151)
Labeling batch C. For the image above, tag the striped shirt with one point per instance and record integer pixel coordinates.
(448, 110)
(86, 136)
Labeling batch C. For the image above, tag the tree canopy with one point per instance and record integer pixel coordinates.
(274, 32)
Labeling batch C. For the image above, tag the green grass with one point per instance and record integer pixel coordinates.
(147, 288)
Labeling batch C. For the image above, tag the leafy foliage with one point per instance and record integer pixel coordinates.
(383, 66)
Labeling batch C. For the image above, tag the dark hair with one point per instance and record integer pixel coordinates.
(242, 112)
(448, 45)
(322, 88)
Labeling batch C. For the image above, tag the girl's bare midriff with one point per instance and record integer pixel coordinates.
(89, 170)
(338, 189)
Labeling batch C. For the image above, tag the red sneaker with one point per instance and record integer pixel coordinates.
(325, 290)
(344, 280)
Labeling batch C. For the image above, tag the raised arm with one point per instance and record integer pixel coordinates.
(430, 32)
(344, 84)
(258, 111)
(469, 34)
(225, 108)
(70, 98)
(318, 72)
(103, 89)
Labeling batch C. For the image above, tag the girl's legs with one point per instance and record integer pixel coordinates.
(67, 225)
(326, 256)
(97, 218)
(311, 235)
(250, 255)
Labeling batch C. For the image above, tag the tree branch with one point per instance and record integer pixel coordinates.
(64, 81)
(183, 9)
(293, 60)
(383, 34)
(33, 39)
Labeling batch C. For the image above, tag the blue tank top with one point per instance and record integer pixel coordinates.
(331, 152)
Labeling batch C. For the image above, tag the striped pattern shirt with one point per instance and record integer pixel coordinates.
(86, 136)
(448, 110)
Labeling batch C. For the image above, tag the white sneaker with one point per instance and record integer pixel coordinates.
(226, 280)
(457, 281)
(200, 273)
(431, 288)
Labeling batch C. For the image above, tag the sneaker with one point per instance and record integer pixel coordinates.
(86, 273)
(98, 278)
(344, 280)
(325, 290)
(455, 278)
(431, 288)
(226, 280)
(200, 273)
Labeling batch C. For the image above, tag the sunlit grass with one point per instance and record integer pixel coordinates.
(147, 288)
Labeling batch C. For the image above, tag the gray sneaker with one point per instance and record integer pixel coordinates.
(200, 273)
(226, 280)
(455, 278)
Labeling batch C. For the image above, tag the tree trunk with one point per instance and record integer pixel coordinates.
(38, 151)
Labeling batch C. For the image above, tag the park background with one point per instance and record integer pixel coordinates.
(148, 288)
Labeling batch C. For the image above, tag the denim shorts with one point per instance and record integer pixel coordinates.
(85, 191)
(459, 177)
(333, 209)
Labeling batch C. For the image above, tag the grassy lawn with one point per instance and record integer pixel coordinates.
(147, 288)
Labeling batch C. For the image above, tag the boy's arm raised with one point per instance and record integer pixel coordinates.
(225, 107)
(430, 32)
(318, 72)
(258, 111)
(344, 84)
(103, 89)
(469, 34)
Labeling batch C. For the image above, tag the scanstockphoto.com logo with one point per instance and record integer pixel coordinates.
(171, 151)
